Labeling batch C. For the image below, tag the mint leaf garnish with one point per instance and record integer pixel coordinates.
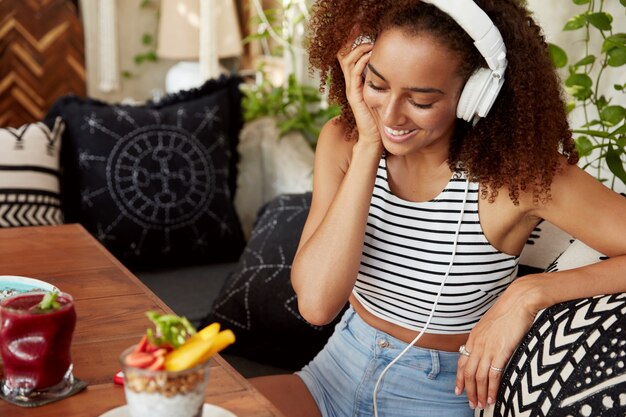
(49, 302)
(170, 329)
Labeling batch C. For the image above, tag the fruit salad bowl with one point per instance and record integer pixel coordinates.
(167, 372)
(162, 393)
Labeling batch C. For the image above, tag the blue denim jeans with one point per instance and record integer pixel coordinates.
(343, 375)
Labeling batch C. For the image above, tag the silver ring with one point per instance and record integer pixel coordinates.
(360, 40)
(496, 369)
(463, 351)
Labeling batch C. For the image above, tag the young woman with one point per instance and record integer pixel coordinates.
(421, 207)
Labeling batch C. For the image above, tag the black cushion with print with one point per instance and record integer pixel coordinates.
(257, 300)
(154, 183)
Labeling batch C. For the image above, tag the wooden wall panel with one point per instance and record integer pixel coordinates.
(42, 57)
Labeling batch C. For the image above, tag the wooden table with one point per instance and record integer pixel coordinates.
(110, 304)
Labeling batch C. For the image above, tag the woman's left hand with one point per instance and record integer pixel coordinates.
(491, 344)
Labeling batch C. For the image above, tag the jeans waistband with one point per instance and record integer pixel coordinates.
(387, 345)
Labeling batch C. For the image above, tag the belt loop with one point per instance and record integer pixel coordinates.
(435, 369)
(347, 316)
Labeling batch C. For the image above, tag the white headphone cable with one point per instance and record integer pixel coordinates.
(432, 311)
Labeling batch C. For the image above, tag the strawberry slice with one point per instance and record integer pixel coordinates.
(158, 364)
(150, 347)
(140, 359)
(160, 352)
(143, 343)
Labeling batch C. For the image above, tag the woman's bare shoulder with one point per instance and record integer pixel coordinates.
(335, 144)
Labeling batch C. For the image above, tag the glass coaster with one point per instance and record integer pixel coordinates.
(76, 386)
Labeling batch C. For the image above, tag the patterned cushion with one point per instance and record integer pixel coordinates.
(257, 300)
(573, 360)
(154, 183)
(29, 175)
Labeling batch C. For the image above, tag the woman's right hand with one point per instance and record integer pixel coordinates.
(353, 63)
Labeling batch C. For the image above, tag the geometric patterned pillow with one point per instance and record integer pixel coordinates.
(576, 255)
(257, 300)
(29, 175)
(155, 183)
(572, 362)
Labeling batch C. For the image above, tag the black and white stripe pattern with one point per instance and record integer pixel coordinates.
(29, 175)
(407, 251)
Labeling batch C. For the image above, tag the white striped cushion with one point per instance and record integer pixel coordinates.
(29, 175)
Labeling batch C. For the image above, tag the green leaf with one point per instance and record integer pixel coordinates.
(579, 86)
(597, 133)
(147, 39)
(569, 107)
(623, 2)
(614, 162)
(582, 80)
(576, 22)
(584, 146)
(151, 56)
(300, 18)
(600, 20)
(589, 59)
(617, 39)
(617, 57)
(619, 87)
(612, 115)
(170, 328)
(256, 36)
(48, 302)
(581, 2)
(558, 55)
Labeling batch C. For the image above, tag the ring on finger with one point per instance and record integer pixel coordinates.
(463, 351)
(360, 40)
(496, 369)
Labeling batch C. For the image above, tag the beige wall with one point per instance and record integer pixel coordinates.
(132, 23)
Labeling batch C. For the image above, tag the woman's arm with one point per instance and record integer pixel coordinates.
(326, 264)
(596, 216)
(586, 209)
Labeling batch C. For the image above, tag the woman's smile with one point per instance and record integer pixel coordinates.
(398, 136)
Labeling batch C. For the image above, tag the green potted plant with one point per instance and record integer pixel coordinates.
(601, 136)
(295, 105)
(283, 120)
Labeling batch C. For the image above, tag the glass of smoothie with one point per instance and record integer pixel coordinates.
(35, 342)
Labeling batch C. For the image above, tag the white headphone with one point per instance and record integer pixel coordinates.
(484, 84)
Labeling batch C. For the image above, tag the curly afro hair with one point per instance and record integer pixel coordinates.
(520, 143)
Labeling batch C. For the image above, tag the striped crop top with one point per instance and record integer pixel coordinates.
(407, 251)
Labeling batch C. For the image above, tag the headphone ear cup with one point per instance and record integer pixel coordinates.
(473, 94)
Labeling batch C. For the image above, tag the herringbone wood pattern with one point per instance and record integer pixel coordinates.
(41, 57)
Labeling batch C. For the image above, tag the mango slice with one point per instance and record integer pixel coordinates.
(188, 355)
(199, 348)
